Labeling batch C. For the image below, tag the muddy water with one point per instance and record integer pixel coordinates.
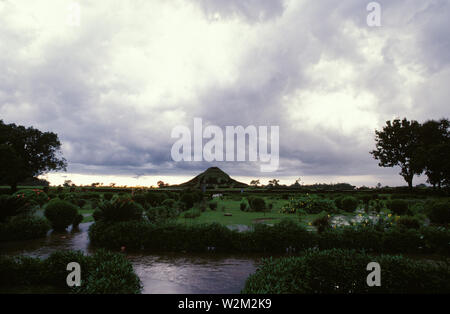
(159, 273)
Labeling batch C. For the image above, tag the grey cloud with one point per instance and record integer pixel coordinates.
(249, 10)
(66, 90)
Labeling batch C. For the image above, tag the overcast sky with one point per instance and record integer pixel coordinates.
(114, 87)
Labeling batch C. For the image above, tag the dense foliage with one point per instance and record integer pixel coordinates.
(24, 227)
(415, 148)
(61, 214)
(27, 152)
(309, 204)
(344, 271)
(121, 209)
(103, 272)
(264, 238)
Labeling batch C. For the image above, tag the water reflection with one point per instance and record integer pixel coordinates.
(159, 273)
(193, 273)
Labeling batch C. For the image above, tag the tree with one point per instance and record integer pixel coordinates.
(254, 183)
(434, 151)
(27, 152)
(161, 184)
(398, 145)
(274, 182)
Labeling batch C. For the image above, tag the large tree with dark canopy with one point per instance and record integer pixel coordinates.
(398, 145)
(435, 151)
(27, 152)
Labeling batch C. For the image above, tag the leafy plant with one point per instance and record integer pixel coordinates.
(61, 214)
(398, 207)
(121, 209)
(439, 212)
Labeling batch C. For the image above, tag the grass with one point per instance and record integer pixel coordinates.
(244, 218)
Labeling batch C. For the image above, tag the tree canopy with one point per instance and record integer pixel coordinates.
(415, 148)
(27, 152)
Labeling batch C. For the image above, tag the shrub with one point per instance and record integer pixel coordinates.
(187, 200)
(131, 234)
(24, 228)
(78, 219)
(322, 222)
(316, 206)
(103, 272)
(170, 203)
(34, 196)
(348, 204)
(398, 206)
(257, 204)
(110, 273)
(55, 266)
(212, 205)
(97, 215)
(192, 214)
(149, 198)
(121, 209)
(344, 271)
(439, 212)
(409, 222)
(243, 206)
(12, 206)
(161, 214)
(108, 196)
(310, 205)
(75, 199)
(275, 239)
(61, 214)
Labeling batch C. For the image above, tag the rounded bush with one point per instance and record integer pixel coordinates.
(398, 207)
(212, 205)
(187, 199)
(103, 272)
(170, 203)
(257, 204)
(24, 228)
(316, 206)
(12, 206)
(122, 209)
(61, 214)
(35, 196)
(161, 214)
(409, 222)
(78, 219)
(348, 204)
(322, 222)
(439, 212)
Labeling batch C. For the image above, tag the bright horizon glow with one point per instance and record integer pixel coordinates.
(56, 179)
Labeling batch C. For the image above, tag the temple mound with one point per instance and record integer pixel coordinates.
(213, 177)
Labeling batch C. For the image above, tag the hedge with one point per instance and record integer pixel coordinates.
(20, 228)
(103, 272)
(344, 271)
(277, 239)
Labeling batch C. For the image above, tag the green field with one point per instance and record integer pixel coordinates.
(239, 217)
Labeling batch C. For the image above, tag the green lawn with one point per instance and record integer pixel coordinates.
(245, 218)
(238, 217)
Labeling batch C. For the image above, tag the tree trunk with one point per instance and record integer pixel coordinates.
(410, 180)
(13, 187)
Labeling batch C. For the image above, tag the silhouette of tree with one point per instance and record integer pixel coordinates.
(398, 145)
(27, 152)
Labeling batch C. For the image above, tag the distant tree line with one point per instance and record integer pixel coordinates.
(416, 148)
